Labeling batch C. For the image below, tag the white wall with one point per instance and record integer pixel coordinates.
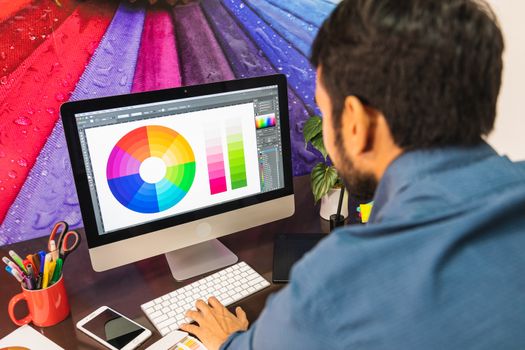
(509, 135)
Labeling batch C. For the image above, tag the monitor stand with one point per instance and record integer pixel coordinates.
(198, 259)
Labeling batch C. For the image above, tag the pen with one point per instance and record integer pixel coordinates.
(47, 265)
(39, 282)
(17, 260)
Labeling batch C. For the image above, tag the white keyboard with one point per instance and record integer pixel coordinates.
(230, 285)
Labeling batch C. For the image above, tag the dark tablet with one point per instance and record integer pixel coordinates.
(288, 249)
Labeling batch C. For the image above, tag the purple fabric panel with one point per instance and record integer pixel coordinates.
(49, 194)
(202, 60)
(158, 62)
(283, 56)
(247, 61)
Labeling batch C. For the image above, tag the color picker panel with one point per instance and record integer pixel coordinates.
(265, 121)
(236, 155)
(215, 159)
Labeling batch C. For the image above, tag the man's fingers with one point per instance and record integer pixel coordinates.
(215, 303)
(193, 329)
(241, 315)
(194, 315)
(203, 307)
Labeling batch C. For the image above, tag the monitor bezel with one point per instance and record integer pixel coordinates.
(69, 109)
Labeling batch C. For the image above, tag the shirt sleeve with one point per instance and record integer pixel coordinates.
(287, 322)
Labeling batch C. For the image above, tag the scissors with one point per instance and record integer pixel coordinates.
(61, 244)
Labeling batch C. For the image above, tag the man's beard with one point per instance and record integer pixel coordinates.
(361, 186)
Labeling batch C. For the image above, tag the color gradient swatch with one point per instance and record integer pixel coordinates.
(236, 155)
(215, 158)
(125, 171)
(265, 121)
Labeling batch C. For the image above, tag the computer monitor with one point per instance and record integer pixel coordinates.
(169, 171)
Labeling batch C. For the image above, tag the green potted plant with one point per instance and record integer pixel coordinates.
(325, 181)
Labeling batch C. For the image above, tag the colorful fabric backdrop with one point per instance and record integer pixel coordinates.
(50, 54)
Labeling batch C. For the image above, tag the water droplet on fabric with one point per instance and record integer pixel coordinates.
(23, 120)
(3, 80)
(22, 162)
(65, 83)
(12, 174)
(2, 188)
(32, 37)
(3, 55)
(123, 80)
(60, 97)
(44, 172)
(18, 221)
(50, 110)
(2, 154)
(19, 18)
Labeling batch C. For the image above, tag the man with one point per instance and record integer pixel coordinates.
(408, 90)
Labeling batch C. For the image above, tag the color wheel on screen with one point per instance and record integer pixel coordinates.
(151, 169)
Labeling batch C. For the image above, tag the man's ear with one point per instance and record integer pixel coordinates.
(359, 122)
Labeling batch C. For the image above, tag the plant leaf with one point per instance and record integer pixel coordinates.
(318, 144)
(323, 178)
(312, 128)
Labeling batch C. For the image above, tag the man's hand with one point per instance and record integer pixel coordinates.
(215, 323)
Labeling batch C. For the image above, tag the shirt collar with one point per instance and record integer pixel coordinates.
(413, 165)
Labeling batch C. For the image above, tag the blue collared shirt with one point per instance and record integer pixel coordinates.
(441, 265)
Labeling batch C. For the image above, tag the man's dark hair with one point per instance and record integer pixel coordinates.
(432, 67)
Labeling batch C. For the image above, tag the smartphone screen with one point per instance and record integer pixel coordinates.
(113, 328)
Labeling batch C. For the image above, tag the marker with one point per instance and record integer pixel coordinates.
(58, 270)
(31, 274)
(26, 262)
(42, 256)
(53, 250)
(52, 265)
(28, 283)
(47, 265)
(11, 264)
(17, 260)
(36, 264)
(16, 275)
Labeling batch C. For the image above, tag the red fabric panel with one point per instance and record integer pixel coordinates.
(158, 62)
(23, 32)
(10, 7)
(38, 87)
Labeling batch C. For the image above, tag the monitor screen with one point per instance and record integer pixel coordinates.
(147, 162)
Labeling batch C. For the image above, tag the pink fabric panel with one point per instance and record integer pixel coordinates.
(158, 61)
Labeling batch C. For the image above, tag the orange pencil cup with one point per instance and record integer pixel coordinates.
(47, 307)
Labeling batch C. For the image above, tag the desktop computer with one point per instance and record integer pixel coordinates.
(170, 171)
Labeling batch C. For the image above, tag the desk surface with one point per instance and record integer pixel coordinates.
(150, 278)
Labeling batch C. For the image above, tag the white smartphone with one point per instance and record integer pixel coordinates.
(113, 329)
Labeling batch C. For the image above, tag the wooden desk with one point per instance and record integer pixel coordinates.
(127, 287)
